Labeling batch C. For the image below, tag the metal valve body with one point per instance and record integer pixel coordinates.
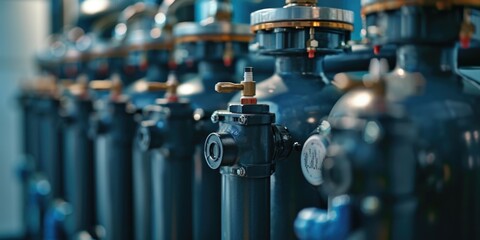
(167, 135)
(242, 150)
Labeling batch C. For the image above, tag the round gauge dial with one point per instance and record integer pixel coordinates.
(313, 153)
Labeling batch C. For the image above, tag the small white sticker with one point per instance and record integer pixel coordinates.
(313, 154)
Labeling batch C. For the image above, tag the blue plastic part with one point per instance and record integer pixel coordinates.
(53, 223)
(314, 223)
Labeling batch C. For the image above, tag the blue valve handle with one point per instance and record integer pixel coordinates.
(314, 223)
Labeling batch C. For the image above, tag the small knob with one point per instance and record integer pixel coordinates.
(149, 136)
(220, 149)
(247, 86)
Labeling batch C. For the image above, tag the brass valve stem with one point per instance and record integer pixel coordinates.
(467, 29)
(170, 87)
(312, 44)
(247, 86)
(114, 86)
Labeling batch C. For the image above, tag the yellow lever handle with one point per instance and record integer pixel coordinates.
(228, 87)
(101, 85)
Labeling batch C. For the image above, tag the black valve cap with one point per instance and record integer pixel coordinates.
(220, 149)
(149, 136)
(248, 69)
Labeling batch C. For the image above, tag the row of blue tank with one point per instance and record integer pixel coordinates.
(134, 129)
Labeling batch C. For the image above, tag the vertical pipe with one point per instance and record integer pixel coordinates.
(245, 208)
(79, 170)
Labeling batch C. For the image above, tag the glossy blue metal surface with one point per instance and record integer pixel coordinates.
(168, 142)
(79, 167)
(293, 94)
(416, 134)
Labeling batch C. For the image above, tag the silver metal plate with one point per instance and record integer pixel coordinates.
(313, 153)
(301, 13)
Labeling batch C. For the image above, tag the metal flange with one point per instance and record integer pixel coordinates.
(301, 17)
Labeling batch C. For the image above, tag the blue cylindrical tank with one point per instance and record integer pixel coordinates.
(294, 93)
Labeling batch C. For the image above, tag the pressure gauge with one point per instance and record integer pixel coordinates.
(313, 153)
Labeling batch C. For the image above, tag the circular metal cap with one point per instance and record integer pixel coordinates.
(301, 13)
(216, 28)
(219, 150)
(313, 153)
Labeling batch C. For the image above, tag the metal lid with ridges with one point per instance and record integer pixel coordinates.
(300, 13)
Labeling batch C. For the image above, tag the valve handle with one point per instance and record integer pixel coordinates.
(114, 85)
(155, 86)
(101, 85)
(374, 80)
(247, 86)
(228, 87)
(170, 87)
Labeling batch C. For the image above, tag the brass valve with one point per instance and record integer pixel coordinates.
(170, 87)
(346, 82)
(394, 85)
(374, 80)
(247, 86)
(80, 88)
(143, 86)
(115, 86)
